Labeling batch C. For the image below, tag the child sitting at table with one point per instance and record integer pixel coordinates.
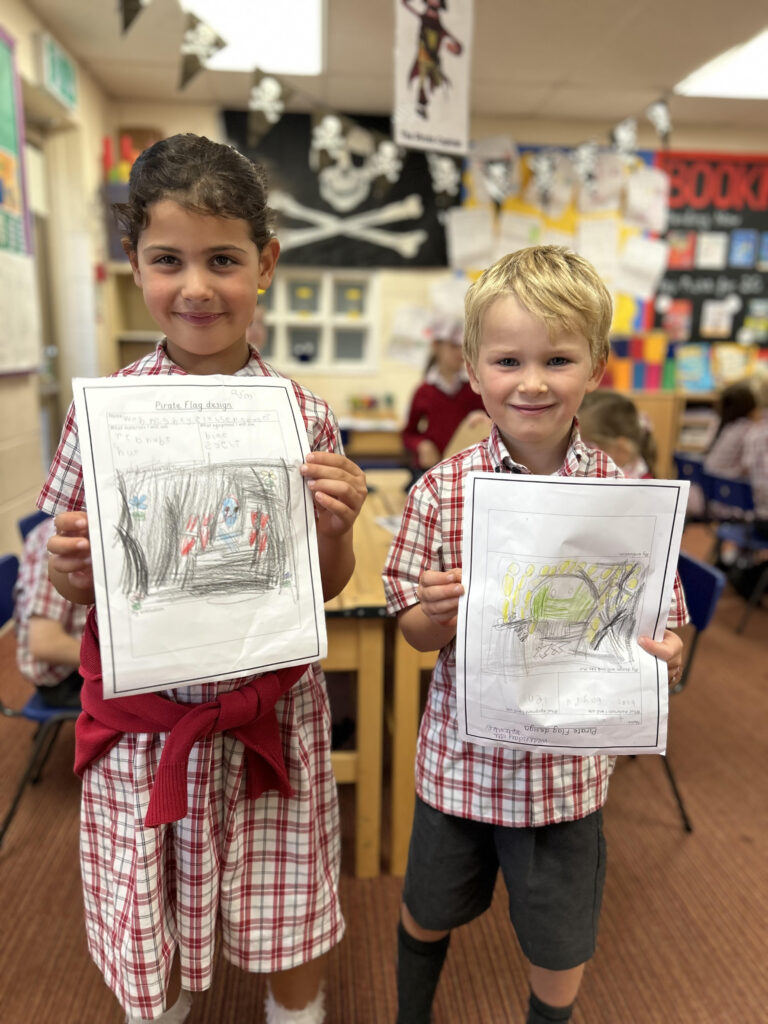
(443, 400)
(611, 421)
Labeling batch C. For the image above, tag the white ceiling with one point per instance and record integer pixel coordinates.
(592, 60)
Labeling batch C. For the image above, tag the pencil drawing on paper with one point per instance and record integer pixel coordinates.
(213, 531)
(549, 612)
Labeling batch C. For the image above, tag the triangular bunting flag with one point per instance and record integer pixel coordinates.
(198, 45)
(266, 105)
(130, 9)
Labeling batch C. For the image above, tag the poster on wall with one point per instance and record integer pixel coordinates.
(346, 195)
(715, 287)
(433, 44)
(14, 226)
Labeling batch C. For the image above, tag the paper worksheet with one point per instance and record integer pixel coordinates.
(561, 577)
(202, 529)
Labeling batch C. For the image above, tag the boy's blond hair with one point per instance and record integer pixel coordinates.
(551, 283)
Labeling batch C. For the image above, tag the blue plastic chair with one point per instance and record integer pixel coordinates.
(703, 584)
(733, 502)
(48, 719)
(28, 523)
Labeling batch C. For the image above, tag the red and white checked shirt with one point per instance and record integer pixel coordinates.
(498, 785)
(35, 595)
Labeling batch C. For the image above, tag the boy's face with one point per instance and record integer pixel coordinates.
(531, 385)
(200, 275)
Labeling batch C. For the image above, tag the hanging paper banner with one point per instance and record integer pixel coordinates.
(433, 42)
(266, 104)
(199, 44)
(495, 169)
(445, 172)
(658, 114)
(624, 138)
(130, 9)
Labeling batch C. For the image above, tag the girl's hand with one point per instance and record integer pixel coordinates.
(427, 454)
(70, 549)
(438, 594)
(668, 649)
(338, 488)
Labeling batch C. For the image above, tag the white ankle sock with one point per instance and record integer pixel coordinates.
(176, 1014)
(313, 1013)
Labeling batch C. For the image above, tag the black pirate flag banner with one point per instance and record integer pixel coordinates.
(198, 45)
(347, 195)
(130, 9)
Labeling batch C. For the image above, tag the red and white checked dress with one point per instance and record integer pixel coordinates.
(493, 784)
(35, 595)
(265, 870)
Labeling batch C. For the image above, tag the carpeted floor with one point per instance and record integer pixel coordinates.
(683, 933)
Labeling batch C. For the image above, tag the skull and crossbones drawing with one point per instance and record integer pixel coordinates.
(348, 162)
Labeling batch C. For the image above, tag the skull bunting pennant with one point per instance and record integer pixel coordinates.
(198, 45)
(266, 104)
(130, 10)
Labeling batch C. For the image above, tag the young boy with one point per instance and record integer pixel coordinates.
(535, 342)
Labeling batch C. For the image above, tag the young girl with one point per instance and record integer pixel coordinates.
(441, 403)
(197, 232)
(611, 422)
(736, 406)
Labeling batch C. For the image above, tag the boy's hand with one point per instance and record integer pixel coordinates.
(70, 549)
(669, 649)
(339, 489)
(438, 594)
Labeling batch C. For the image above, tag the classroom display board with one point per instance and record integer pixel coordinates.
(715, 287)
(19, 303)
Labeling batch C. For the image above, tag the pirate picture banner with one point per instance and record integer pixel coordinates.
(346, 194)
(433, 43)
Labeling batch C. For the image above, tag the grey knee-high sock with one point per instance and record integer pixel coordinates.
(418, 971)
(542, 1013)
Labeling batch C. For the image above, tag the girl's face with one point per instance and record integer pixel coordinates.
(450, 359)
(200, 275)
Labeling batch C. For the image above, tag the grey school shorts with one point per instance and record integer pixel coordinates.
(554, 876)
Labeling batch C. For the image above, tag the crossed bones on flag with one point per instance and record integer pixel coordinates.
(364, 227)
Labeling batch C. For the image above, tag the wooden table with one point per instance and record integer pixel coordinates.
(357, 624)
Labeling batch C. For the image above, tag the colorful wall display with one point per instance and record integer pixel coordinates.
(716, 283)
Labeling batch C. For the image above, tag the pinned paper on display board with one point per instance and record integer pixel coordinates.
(647, 199)
(516, 231)
(407, 343)
(597, 240)
(641, 266)
(470, 236)
(547, 656)
(604, 194)
(202, 529)
(717, 316)
(711, 251)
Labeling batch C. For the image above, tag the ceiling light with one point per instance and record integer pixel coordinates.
(739, 73)
(284, 38)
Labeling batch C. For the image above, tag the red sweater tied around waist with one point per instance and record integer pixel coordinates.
(247, 713)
